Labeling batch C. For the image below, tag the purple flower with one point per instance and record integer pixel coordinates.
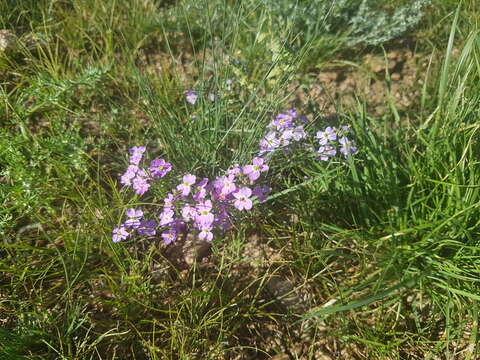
(189, 212)
(223, 219)
(127, 177)
(269, 143)
(243, 201)
(119, 234)
(253, 171)
(159, 167)
(202, 183)
(347, 146)
(299, 133)
(136, 154)
(201, 192)
(141, 185)
(191, 96)
(168, 201)
(126, 180)
(234, 170)
(134, 217)
(261, 192)
(286, 135)
(291, 112)
(185, 186)
(282, 121)
(204, 216)
(325, 136)
(147, 228)
(206, 233)
(132, 169)
(166, 217)
(177, 225)
(326, 152)
(169, 237)
(225, 185)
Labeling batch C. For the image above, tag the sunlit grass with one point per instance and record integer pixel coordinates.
(376, 256)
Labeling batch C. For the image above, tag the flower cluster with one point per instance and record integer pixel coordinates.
(133, 223)
(202, 205)
(332, 139)
(140, 178)
(284, 130)
(208, 206)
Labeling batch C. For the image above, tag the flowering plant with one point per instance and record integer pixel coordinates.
(209, 206)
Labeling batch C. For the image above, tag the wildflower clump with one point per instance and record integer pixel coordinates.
(284, 131)
(333, 141)
(208, 207)
(191, 96)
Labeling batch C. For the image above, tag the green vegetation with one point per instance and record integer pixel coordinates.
(373, 257)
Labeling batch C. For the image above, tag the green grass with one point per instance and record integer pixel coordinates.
(381, 251)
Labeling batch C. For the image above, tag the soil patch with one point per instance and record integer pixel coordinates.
(399, 73)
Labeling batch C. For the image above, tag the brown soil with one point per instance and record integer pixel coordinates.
(400, 73)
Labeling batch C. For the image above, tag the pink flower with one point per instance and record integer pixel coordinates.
(225, 185)
(185, 186)
(189, 213)
(253, 171)
(126, 178)
(166, 217)
(159, 168)
(206, 233)
(282, 121)
(169, 237)
(269, 143)
(134, 217)
(136, 154)
(347, 147)
(204, 216)
(119, 234)
(234, 170)
(200, 195)
(299, 133)
(326, 152)
(191, 96)
(147, 228)
(243, 201)
(141, 185)
(325, 136)
(287, 134)
(168, 201)
(201, 192)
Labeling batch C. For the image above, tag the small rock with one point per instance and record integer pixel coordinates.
(392, 64)
(7, 40)
(375, 63)
(395, 76)
(392, 55)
